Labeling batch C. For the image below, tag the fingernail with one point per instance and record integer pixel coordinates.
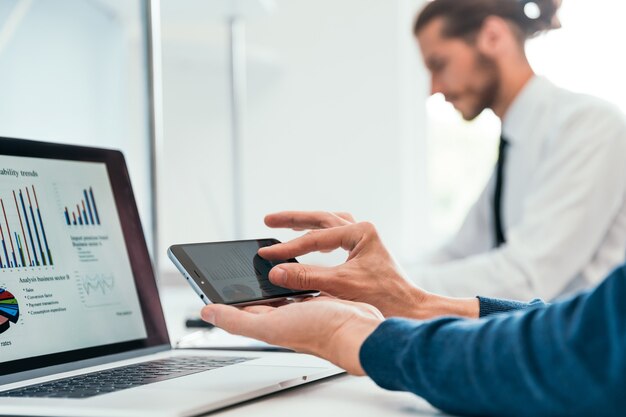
(279, 275)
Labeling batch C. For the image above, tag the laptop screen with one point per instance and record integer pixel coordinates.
(66, 277)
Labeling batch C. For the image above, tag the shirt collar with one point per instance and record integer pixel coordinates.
(520, 115)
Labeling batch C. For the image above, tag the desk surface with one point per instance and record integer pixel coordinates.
(341, 395)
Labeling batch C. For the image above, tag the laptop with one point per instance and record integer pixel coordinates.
(82, 331)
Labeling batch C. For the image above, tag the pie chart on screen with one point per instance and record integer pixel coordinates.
(9, 310)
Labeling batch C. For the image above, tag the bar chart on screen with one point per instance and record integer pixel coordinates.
(83, 211)
(23, 238)
(82, 215)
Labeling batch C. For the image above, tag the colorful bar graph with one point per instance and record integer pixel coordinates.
(88, 206)
(4, 246)
(30, 247)
(80, 218)
(30, 233)
(17, 208)
(9, 233)
(43, 230)
(86, 212)
(32, 213)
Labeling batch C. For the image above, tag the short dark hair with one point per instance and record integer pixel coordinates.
(464, 18)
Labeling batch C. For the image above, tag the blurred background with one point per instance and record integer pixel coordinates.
(337, 112)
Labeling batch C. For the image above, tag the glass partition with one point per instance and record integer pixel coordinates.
(77, 71)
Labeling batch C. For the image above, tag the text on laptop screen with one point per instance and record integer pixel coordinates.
(65, 277)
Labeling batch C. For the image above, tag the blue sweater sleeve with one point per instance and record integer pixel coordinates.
(567, 358)
(489, 306)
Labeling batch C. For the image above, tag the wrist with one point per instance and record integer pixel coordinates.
(347, 341)
(434, 305)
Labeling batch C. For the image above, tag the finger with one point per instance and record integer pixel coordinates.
(280, 303)
(322, 298)
(301, 220)
(363, 306)
(346, 216)
(232, 320)
(324, 294)
(346, 237)
(302, 277)
(258, 309)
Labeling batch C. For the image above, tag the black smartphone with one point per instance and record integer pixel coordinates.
(231, 272)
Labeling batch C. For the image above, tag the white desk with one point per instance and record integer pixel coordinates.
(343, 395)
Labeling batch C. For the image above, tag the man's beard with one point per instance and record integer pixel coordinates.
(488, 91)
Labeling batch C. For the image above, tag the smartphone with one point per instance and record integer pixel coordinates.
(231, 272)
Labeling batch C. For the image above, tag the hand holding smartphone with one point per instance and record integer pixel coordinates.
(231, 272)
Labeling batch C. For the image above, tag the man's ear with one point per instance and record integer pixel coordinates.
(493, 36)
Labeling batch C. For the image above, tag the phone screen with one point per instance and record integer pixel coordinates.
(234, 270)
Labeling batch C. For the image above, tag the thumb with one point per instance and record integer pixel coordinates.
(301, 277)
(231, 319)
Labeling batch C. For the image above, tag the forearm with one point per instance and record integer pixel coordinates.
(564, 359)
(489, 306)
(434, 306)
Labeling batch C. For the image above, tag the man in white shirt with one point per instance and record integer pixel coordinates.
(552, 219)
(563, 204)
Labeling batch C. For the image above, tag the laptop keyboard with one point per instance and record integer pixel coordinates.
(126, 377)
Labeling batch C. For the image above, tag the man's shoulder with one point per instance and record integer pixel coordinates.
(578, 121)
(576, 106)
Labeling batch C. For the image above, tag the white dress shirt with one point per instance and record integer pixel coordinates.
(563, 204)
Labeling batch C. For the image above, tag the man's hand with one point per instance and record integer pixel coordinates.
(370, 274)
(326, 327)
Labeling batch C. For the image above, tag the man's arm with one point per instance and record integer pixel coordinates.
(489, 306)
(568, 358)
(564, 359)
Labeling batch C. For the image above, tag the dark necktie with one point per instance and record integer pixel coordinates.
(497, 196)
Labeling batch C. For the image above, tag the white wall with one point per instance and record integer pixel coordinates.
(73, 71)
(589, 57)
(335, 119)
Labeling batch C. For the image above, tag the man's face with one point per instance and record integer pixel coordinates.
(467, 78)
